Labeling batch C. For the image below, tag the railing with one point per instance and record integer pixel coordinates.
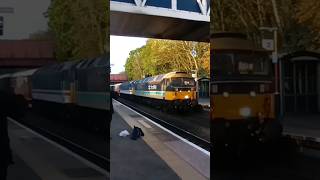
(198, 10)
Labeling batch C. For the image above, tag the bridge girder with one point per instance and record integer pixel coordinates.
(139, 20)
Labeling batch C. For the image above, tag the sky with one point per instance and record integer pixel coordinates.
(120, 47)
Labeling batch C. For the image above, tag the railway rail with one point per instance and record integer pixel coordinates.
(85, 153)
(181, 132)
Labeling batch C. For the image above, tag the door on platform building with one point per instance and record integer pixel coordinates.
(301, 86)
(204, 88)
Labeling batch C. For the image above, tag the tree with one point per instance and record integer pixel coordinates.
(133, 66)
(163, 56)
(308, 14)
(247, 16)
(80, 28)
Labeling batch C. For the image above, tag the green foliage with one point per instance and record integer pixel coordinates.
(163, 56)
(80, 28)
(296, 20)
(308, 15)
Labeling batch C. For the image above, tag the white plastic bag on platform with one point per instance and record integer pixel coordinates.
(124, 133)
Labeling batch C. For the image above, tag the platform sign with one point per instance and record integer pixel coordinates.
(268, 44)
(184, 9)
(194, 53)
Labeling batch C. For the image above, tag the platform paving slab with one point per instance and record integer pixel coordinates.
(186, 161)
(303, 126)
(20, 170)
(134, 160)
(204, 102)
(36, 156)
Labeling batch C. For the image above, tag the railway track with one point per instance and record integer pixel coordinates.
(87, 154)
(179, 131)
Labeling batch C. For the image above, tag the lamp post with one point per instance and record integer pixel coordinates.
(277, 67)
(275, 42)
(195, 72)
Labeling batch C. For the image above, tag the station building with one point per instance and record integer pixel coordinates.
(203, 87)
(21, 18)
(118, 78)
(18, 55)
(300, 82)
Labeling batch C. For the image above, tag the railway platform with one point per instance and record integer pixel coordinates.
(304, 127)
(36, 157)
(159, 154)
(204, 102)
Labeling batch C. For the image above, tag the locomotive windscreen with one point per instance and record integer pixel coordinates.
(241, 64)
(182, 82)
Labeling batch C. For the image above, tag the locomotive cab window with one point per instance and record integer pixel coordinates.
(182, 82)
(223, 64)
(252, 64)
(241, 65)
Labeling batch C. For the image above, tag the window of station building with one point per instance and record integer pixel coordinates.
(1, 25)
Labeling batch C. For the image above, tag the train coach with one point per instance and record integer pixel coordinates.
(5, 83)
(75, 90)
(242, 93)
(174, 90)
(115, 90)
(20, 83)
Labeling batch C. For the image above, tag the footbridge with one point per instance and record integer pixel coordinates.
(163, 19)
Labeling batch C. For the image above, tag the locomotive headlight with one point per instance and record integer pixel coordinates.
(252, 93)
(262, 88)
(245, 111)
(186, 97)
(225, 94)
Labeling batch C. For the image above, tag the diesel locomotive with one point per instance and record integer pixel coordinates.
(174, 90)
(76, 90)
(242, 92)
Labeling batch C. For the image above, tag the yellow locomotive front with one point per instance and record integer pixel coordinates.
(180, 90)
(242, 92)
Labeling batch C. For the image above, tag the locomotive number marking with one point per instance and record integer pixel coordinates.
(152, 87)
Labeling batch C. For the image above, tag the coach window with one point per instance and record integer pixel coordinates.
(1, 25)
